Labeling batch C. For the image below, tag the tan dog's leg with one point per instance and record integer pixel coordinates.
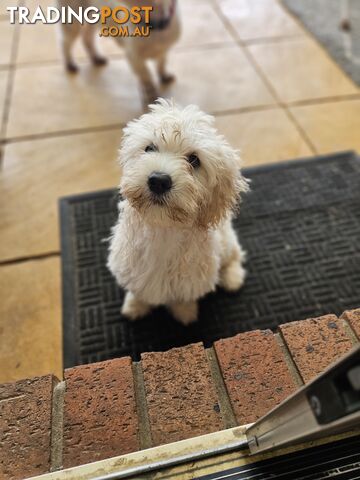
(185, 312)
(69, 33)
(133, 308)
(89, 38)
(164, 76)
(148, 89)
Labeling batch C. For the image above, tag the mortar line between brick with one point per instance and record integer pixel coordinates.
(349, 330)
(226, 410)
(294, 371)
(57, 426)
(145, 438)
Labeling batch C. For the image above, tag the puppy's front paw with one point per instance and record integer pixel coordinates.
(232, 277)
(185, 313)
(133, 308)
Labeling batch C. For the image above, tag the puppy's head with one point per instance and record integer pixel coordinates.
(176, 169)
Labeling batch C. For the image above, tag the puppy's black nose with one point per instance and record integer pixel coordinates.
(159, 182)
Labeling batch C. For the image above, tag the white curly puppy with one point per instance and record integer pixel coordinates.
(174, 241)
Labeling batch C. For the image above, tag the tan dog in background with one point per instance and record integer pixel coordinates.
(165, 30)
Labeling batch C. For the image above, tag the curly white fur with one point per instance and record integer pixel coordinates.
(174, 251)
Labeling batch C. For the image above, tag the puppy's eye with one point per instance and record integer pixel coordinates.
(194, 160)
(151, 148)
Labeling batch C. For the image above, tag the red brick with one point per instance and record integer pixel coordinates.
(181, 398)
(353, 318)
(100, 419)
(255, 373)
(25, 427)
(316, 343)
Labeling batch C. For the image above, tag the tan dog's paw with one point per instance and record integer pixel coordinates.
(167, 78)
(185, 313)
(71, 67)
(232, 277)
(133, 308)
(99, 61)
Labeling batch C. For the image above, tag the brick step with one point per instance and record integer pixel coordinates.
(116, 407)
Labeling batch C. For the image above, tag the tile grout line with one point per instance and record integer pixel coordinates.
(290, 362)
(110, 127)
(145, 437)
(320, 101)
(40, 256)
(241, 110)
(63, 133)
(226, 409)
(264, 78)
(10, 81)
(274, 39)
(300, 129)
(57, 427)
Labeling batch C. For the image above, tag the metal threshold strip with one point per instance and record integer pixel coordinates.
(156, 458)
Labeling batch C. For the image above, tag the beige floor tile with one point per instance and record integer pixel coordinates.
(3, 5)
(259, 18)
(331, 126)
(201, 26)
(191, 2)
(41, 43)
(299, 69)
(3, 86)
(6, 40)
(46, 99)
(30, 320)
(216, 79)
(33, 4)
(36, 173)
(263, 137)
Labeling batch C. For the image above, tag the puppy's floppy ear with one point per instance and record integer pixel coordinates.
(228, 185)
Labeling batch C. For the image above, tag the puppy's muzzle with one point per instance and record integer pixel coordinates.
(159, 182)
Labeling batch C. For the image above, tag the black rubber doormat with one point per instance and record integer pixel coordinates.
(300, 226)
(339, 460)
